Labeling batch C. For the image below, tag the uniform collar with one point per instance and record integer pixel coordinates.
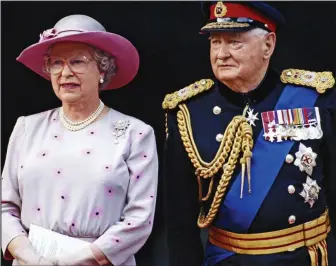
(253, 97)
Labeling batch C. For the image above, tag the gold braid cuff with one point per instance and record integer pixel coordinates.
(237, 138)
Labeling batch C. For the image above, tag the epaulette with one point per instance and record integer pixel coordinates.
(173, 99)
(321, 81)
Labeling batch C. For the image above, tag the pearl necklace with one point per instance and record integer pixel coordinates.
(75, 126)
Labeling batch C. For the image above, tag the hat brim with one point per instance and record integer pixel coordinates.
(126, 55)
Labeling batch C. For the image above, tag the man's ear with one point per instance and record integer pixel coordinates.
(269, 44)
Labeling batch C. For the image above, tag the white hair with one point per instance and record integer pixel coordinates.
(258, 32)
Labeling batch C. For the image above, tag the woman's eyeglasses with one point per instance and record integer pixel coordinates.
(77, 64)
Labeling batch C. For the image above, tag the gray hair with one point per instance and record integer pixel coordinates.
(258, 32)
(105, 62)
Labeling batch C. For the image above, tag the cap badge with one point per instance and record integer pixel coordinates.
(220, 10)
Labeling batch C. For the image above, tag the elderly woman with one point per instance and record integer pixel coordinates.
(83, 170)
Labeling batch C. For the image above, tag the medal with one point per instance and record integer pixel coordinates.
(305, 159)
(292, 124)
(310, 191)
(251, 117)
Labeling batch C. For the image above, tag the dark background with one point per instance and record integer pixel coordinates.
(172, 55)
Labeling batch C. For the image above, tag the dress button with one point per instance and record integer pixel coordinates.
(291, 219)
(289, 158)
(216, 110)
(291, 189)
(219, 137)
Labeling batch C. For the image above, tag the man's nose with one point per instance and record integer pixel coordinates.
(223, 51)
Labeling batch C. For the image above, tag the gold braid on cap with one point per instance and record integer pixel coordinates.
(237, 138)
(225, 25)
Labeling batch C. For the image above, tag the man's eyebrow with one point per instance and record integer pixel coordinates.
(213, 36)
(232, 35)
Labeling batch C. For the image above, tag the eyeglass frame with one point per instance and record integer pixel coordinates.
(66, 61)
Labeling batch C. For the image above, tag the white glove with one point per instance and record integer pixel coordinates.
(82, 257)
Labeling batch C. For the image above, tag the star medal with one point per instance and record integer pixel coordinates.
(305, 159)
(251, 117)
(310, 191)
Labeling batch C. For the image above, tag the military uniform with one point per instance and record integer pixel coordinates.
(257, 169)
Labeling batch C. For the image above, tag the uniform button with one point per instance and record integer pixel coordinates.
(219, 137)
(291, 189)
(291, 219)
(216, 110)
(289, 158)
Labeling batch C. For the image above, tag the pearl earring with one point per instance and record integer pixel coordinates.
(101, 80)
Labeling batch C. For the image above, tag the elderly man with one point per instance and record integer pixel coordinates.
(251, 155)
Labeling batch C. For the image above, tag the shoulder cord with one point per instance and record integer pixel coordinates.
(237, 138)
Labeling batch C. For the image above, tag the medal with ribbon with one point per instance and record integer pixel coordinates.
(294, 124)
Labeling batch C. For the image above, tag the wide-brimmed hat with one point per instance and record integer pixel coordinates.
(240, 16)
(84, 29)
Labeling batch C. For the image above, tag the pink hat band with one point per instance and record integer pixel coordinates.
(51, 33)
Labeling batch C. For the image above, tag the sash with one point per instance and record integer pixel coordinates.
(262, 180)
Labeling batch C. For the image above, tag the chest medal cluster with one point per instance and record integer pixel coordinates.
(297, 124)
(292, 124)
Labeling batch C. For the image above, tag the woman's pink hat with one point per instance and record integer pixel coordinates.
(81, 28)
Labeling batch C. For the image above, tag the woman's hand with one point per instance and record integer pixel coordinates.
(83, 257)
(21, 249)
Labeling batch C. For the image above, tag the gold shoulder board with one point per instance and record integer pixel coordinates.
(321, 81)
(173, 99)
